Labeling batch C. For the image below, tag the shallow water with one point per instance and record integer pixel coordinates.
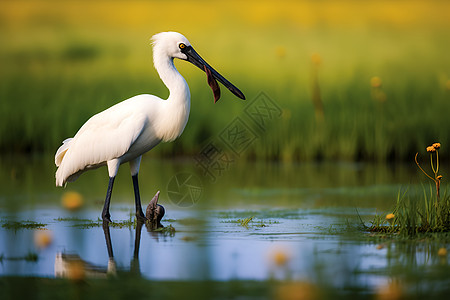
(305, 226)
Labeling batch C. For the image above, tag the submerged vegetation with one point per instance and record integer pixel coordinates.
(16, 225)
(167, 230)
(86, 224)
(130, 223)
(247, 222)
(244, 222)
(30, 256)
(428, 212)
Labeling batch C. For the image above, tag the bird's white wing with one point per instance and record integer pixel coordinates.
(105, 136)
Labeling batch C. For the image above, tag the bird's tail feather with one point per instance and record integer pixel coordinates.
(59, 156)
(62, 151)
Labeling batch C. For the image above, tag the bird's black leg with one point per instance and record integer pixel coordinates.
(137, 239)
(134, 266)
(137, 199)
(105, 213)
(108, 240)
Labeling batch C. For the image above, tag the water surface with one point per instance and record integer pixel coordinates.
(305, 226)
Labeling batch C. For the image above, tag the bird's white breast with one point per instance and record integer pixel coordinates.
(163, 122)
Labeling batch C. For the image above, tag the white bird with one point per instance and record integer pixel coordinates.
(127, 130)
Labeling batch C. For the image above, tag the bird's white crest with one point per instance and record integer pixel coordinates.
(167, 44)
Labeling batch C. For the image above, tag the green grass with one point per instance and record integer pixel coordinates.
(426, 212)
(415, 215)
(62, 72)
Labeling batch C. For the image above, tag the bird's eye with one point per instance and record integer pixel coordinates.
(182, 46)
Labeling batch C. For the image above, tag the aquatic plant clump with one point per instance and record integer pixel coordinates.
(414, 214)
(419, 214)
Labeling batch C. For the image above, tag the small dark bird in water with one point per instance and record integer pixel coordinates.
(155, 212)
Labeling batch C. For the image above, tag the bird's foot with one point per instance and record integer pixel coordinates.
(140, 217)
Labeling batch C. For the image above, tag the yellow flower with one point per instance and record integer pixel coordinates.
(375, 82)
(436, 145)
(391, 291)
(72, 200)
(42, 238)
(76, 270)
(431, 149)
(316, 59)
(280, 258)
(380, 246)
(442, 252)
(390, 216)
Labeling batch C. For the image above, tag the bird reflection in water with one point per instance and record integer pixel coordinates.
(73, 267)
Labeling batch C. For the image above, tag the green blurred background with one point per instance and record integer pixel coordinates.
(356, 80)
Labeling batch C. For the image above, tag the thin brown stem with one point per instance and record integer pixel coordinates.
(417, 163)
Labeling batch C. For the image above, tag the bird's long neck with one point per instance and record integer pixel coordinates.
(178, 88)
(178, 104)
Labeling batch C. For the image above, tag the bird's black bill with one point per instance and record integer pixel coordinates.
(194, 58)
